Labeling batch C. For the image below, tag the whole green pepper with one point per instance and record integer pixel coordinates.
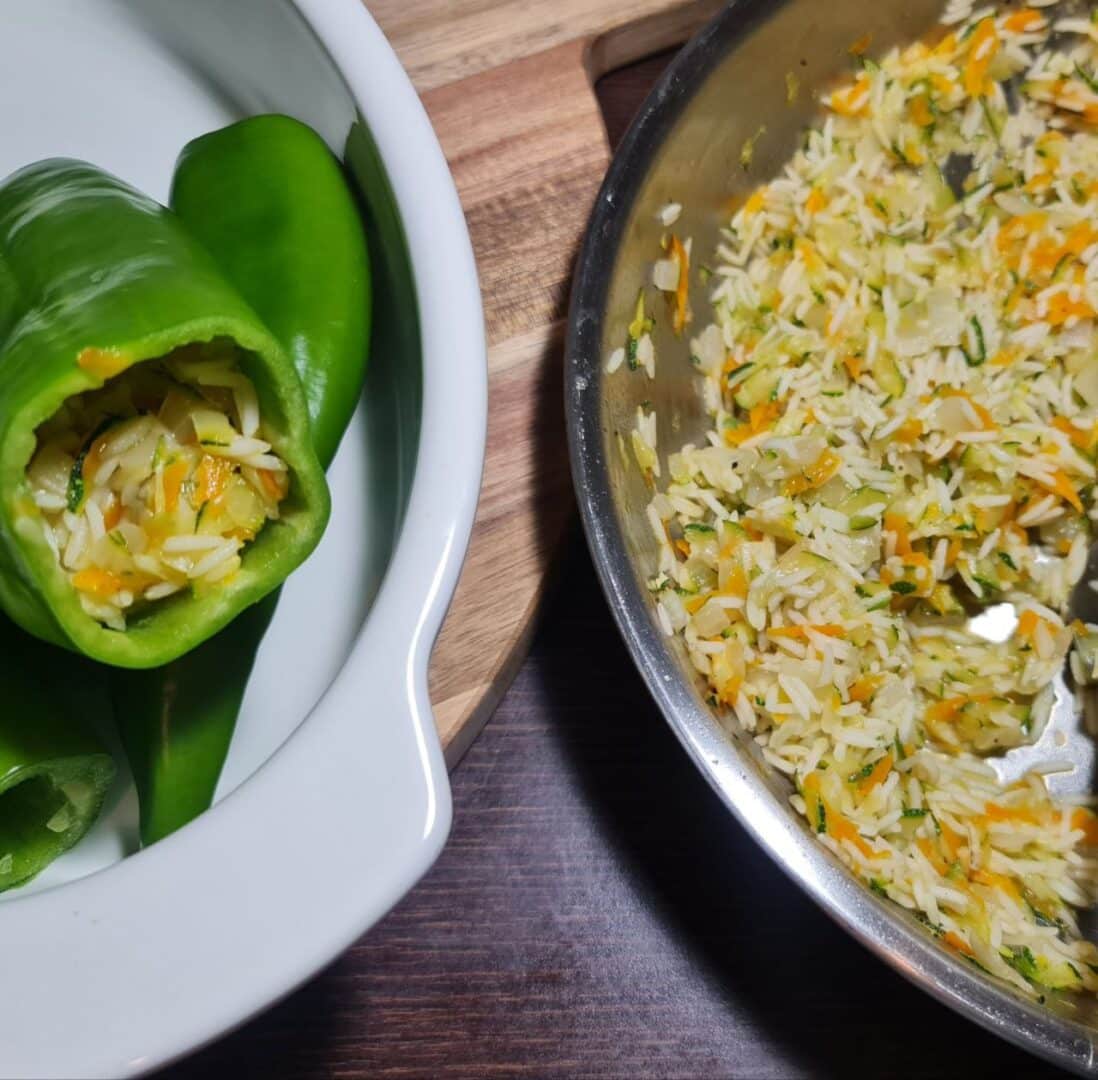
(54, 773)
(269, 201)
(95, 277)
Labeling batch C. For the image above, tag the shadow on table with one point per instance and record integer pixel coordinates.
(778, 964)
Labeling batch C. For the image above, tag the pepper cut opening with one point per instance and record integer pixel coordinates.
(37, 819)
(156, 482)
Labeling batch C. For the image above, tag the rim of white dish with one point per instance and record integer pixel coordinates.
(242, 906)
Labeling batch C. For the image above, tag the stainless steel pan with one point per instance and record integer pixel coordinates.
(729, 86)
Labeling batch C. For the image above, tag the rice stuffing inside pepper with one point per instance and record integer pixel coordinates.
(903, 382)
(156, 482)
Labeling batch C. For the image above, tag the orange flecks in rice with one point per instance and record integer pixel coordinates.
(174, 475)
(113, 514)
(948, 709)
(877, 776)
(955, 941)
(1085, 821)
(910, 430)
(897, 525)
(996, 881)
(98, 583)
(932, 855)
(861, 46)
(1060, 485)
(815, 202)
(921, 111)
(942, 84)
(211, 478)
(816, 475)
(737, 582)
(1029, 622)
(801, 630)
(760, 418)
(984, 45)
(1061, 308)
(1081, 438)
(863, 689)
(852, 100)
(103, 363)
(756, 201)
(987, 421)
(678, 251)
(1023, 21)
(835, 824)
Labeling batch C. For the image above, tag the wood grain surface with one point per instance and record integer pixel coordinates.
(508, 86)
(598, 913)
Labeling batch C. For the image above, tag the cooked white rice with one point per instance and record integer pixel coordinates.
(156, 482)
(904, 388)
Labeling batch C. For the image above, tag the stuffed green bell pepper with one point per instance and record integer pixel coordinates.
(157, 474)
(54, 774)
(302, 264)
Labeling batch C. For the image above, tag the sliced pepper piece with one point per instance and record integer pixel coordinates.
(54, 773)
(96, 278)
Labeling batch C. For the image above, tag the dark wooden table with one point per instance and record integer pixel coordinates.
(597, 912)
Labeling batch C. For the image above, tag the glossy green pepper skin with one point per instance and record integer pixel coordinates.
(269, 201)
(95, 277)
(54, 773)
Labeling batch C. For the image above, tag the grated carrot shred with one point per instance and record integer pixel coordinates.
(1028, 622)
(113, 514)
(861, 46)
(921, 112)
(909, 430)
(877, 776)
(996, 881)
(174, 475)
(985, 44)
(801, 631)
(1064, 488)
(682, 289)
(861, 690)
(897, 525)
(995, 812)
(852, 100)
(955, 941)
(756, 201)
(1061, 308)
(816, 475)
(211, 477)
(1085, 821)
(101, 584)
(1019, 22)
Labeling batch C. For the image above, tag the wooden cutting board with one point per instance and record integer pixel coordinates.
(509, 86)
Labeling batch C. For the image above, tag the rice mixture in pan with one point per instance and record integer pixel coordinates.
(904, 384)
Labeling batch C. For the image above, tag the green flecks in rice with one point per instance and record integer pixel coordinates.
(904, 392)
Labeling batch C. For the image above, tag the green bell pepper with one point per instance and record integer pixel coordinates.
(54, 774)
(269, 201)
(95, 277)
